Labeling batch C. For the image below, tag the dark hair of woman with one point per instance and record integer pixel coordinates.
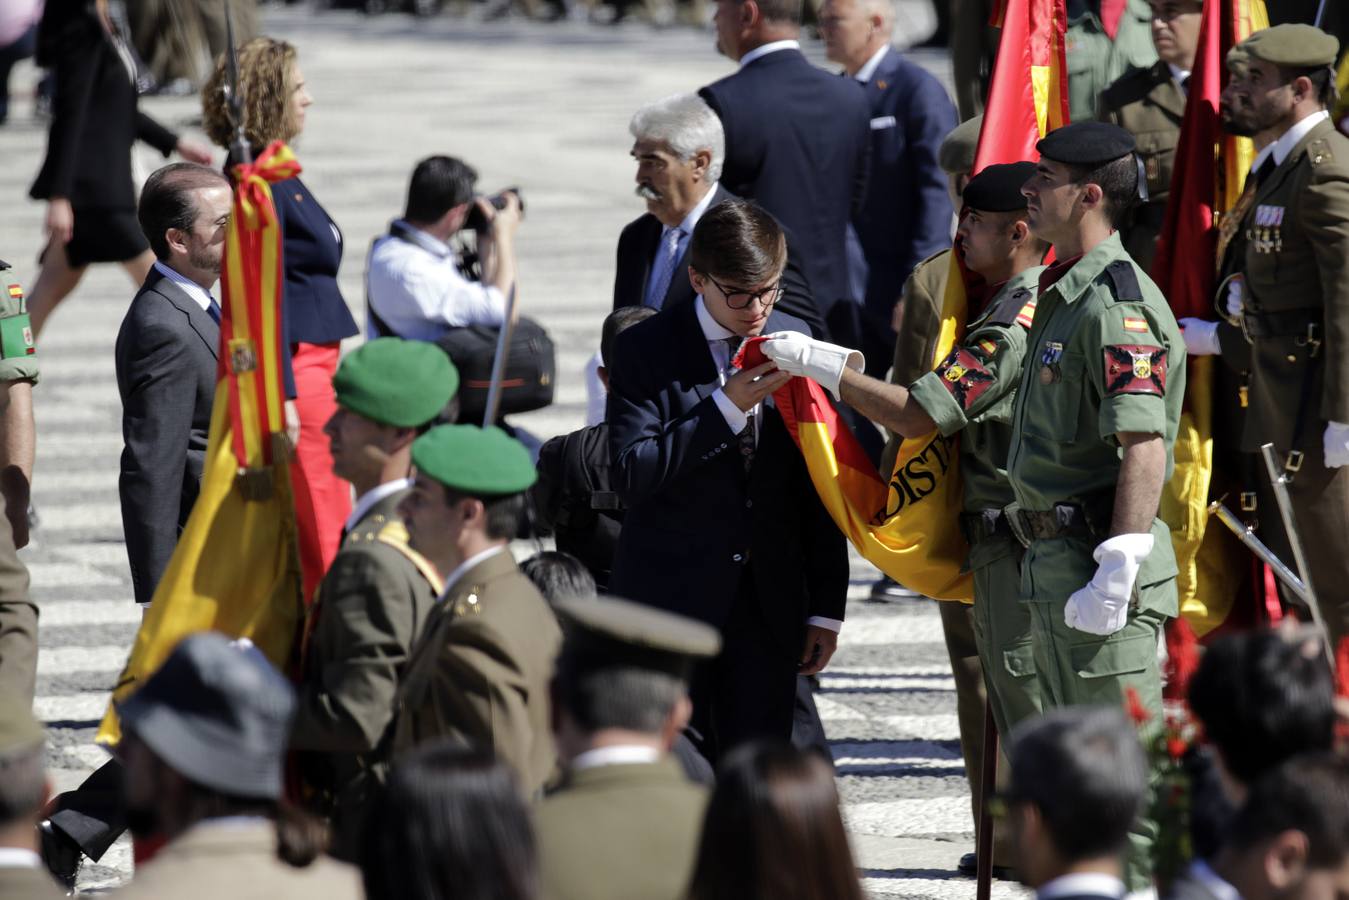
(774, 831)
(450, 825)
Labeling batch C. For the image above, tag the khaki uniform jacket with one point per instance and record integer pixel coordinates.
(1148, 104)
(28, 883)
(481, 669)
(1296, 236)
(618, 832)
(237, 860)
(371, 606)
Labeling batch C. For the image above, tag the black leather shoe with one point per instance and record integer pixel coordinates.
(888, 590)
(969, 867)
(60, 853)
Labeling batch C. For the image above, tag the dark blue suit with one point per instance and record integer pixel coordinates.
(907, 214)
(753, 554)
(797, 142)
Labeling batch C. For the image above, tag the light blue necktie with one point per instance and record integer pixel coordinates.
(662, 272)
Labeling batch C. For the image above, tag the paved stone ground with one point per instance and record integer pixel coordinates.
(544, 107)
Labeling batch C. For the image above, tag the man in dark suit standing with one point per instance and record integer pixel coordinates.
(723, 523)
(680, 149)
(797, 141)
(166, 364)
(907, 214)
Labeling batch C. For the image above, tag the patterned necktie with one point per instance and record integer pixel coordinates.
(663, 270)
(746, 436)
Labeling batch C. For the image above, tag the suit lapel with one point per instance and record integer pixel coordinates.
(1170, 97)
(697, 370)
(198, 318)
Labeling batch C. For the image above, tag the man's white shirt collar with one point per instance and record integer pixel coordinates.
(1293, 136)
(765, 49)
(712, 329)
(618, 755)
(467, 564)
(1079, 883)
(1203, 873)
(1179, 76)
(423, 239)
(696, 213)
(19, 858)
(864, 74)
(373, 496)
(199, 294)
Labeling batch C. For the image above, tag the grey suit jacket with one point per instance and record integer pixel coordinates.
(166, 374)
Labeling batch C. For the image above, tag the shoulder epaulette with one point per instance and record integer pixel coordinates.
(1015, 308)
(1319, 152)
(1130, 87)
(1125, 281)
(395, 535)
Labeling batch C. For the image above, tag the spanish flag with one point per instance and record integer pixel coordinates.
(236, 569)
(906, 521)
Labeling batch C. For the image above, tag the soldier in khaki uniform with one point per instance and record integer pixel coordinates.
(18, 375)
(625, 820)
(480, 670)
(1094, 58)
(1149, 103)
(24, 789)
(1291, 304)
(1094, 426)
(374, 598)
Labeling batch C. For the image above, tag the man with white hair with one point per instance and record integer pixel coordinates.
(679, 145)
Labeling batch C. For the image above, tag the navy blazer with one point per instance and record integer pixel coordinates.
(315, 310)
(695, 519)
(907, 214)
(797, 141)
(637, 246)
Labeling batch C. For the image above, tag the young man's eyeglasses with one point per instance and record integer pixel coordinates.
(739, 298)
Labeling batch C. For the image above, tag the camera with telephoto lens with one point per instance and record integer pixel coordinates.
(477, 220)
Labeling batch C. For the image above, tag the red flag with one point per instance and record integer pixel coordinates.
(1028, 97)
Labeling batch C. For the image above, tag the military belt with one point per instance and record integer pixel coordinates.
(1285, 323)
(1063, 521)
(983, 525)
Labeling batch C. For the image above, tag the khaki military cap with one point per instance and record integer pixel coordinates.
(956, 155)
(1294, 46)
(606, 632)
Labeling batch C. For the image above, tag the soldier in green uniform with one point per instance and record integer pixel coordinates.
(18, 375)
(624, 821)
(1095, 57)
(480, 670)
(1094, 424)
(1149, 103)
(1290, 304)
(970, 393)
(374, 598)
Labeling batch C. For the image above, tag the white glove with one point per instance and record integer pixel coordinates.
(799, 354)
(1201, 337)
(1236, 290)
(1336, 445)
(1102, 607)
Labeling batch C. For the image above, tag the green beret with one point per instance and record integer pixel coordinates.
(1294, 46)
(19, 731)
(606, 633)
(396, 382)
(956, 155)
(480, 462)
(1086, 144)
(998, 188)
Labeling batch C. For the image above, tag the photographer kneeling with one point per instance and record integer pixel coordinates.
(414, 283)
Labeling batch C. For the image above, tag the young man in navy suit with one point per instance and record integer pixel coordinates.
(723, 523)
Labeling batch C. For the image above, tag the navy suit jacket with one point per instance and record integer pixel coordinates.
(695, 519)
(637, 246)
(797, 141)
(907, 214)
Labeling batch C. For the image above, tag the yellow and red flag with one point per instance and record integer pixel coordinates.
(906, 521)
(235, 569)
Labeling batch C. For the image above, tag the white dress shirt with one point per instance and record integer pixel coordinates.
(765, 49)
(617, 755)
(467, 564)
(1180, 77)
(199, 294)
(869, 69)
(1290, 139)
(1094, 883)
(19, 858)
(416, 287)
(373, 496)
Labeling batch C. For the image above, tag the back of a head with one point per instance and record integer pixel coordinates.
(266, 66)
(167, 201)
(559, 576)
(1263, 699)
(439, 183)
(739, 241)
(774, 830)
(779, 14)
(1084, 770)
(1307, 794)
(617, 322)
(450, 823)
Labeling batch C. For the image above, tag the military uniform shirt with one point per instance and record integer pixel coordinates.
(972, 390)
(18, 355)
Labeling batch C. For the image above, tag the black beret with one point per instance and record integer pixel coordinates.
(998, 188)
(1086, 144)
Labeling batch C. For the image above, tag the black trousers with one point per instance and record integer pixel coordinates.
(94, 814)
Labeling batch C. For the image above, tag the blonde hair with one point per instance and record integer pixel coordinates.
(266, 68)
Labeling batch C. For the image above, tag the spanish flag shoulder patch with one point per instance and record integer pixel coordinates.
(16, 292)
(1026, 317)
(1135, 323)
(990, 348)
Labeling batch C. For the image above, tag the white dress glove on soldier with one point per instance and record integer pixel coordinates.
(799, 354)
(1336, 443)
(1235, 289)
(1201, 337)
(1102, 607)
